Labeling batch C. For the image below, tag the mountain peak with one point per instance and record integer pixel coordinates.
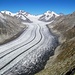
(48, 16)
(25, 16)
(8, 13)
(48, 11)
(22, 12)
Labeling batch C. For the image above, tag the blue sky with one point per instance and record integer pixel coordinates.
(38, 6)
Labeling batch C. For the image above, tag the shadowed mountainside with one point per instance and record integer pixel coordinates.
(10, 28)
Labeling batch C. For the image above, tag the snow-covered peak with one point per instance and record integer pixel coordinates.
(22, 12)
(48, 16)
(55, 14)
(8, 13)
(25, 16)
(49, 13)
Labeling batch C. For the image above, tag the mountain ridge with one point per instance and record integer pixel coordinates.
(24, 16)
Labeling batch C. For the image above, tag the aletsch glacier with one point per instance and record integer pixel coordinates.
(29, 53)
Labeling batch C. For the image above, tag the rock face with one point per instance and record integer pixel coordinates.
(64, 57)
(9, 27)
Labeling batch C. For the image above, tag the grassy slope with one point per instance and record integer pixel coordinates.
(64, 58)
